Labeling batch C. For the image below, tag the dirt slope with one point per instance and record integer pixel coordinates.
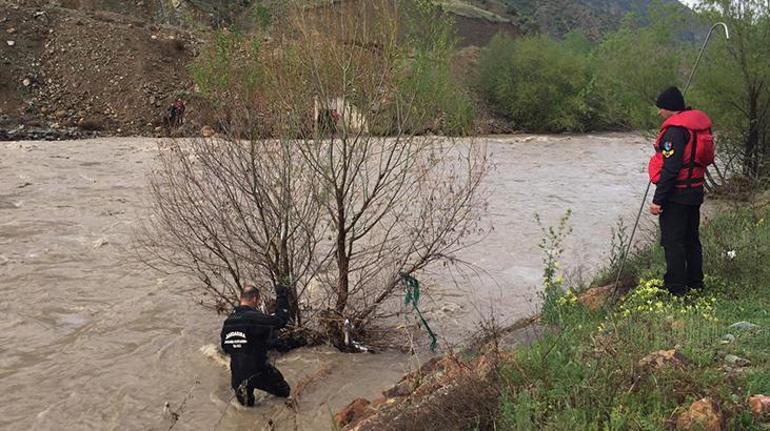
(100, 71)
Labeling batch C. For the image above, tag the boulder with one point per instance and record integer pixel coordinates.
(401, 389)
(208, 131)
(380, 402)
(703, 414)
(595, 297)
(663, 358)
(737, 361)
(90, 124)
(744, 325)
(354, 412)
(760, 405)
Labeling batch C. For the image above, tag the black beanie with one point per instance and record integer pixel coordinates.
(671, 99)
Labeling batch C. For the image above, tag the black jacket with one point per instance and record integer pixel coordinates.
(666, 190)
(246, 336)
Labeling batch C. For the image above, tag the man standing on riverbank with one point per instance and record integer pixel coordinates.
(684, 148)
(245, 336)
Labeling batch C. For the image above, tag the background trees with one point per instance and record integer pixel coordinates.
(545, 84)
(537, 81)
(735, 80)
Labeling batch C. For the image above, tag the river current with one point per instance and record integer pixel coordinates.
(91, 339)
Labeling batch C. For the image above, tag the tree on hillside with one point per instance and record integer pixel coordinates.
(734, 84)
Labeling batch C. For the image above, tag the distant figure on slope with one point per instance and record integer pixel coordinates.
(180, 108)
(175, 114)
(245, 336)
(683, 150)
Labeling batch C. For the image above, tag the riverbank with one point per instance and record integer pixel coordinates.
(649, 361)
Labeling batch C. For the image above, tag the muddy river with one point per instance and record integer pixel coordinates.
(91, 339)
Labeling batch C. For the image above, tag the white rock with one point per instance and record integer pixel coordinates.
(727, 339)
(743, 325)
(737, 360)
(10, 42)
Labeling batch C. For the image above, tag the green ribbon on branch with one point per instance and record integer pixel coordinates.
(412, 296)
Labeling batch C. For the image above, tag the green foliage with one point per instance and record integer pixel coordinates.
(585, 374)
(618, 245)
(537, 82)
(733, 84)
(262, 15)
(435, 95)
(543, 84)
(632, 66)
(553, 283)
(230, 64)
(736, 245)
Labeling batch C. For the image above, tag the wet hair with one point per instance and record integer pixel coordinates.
(250, 293)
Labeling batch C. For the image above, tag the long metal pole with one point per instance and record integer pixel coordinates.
(647, 191)
(703, 50)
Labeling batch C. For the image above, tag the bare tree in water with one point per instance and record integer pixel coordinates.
(346, 197)
(232, 211)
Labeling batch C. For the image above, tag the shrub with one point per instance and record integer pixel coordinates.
(537, 82)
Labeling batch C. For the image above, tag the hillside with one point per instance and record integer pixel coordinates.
(77, 67)
(66, 73)
(558, 17)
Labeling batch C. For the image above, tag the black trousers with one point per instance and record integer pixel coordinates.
(268, 379)
(680, 238)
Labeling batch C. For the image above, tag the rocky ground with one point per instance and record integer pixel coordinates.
(68, 73)
(454, 391)
(463, 391)
(79, 69)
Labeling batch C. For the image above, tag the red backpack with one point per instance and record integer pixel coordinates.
(698, 153)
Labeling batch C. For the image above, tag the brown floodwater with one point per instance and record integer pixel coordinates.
(91, 339)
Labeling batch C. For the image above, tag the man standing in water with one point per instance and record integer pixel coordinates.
(245, 336)
(685, 146)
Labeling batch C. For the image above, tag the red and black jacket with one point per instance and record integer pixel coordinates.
(683, 150)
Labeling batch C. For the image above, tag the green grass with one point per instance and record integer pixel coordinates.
(584, 375)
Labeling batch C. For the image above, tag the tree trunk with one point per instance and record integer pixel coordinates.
(343, 260)
(751, 155)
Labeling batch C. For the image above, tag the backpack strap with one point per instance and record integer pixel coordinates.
(691, 165)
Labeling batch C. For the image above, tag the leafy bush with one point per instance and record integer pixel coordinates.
(733, 84)
(632, 66)
(439, 98)
(553, 282)
(228, 66)
(537, 82)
